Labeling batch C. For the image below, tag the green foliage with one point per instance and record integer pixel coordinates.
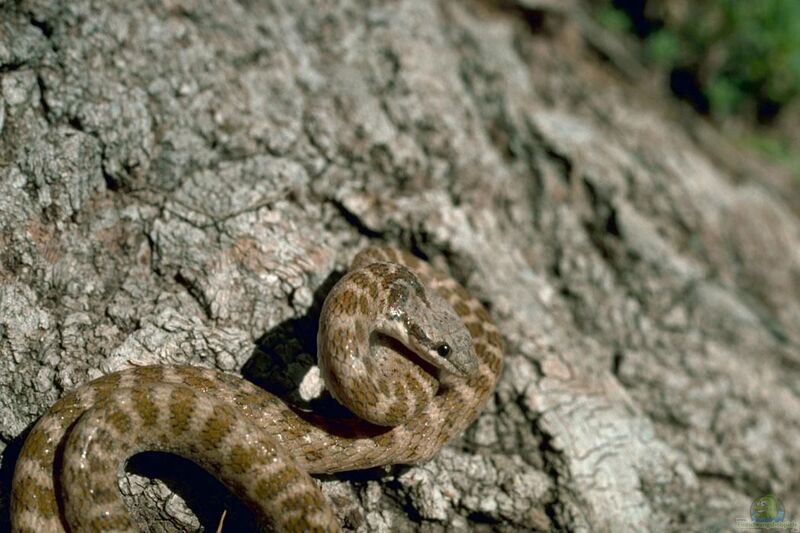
(724, 96)
(743, 53)
(614, 19)
(664, 48)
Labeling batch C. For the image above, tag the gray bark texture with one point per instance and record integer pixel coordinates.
(180, 181)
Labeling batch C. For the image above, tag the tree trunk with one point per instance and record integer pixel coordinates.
(180, 178)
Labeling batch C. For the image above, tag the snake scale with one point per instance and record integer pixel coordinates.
(402, 345)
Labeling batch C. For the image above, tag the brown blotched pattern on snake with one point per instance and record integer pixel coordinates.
(401, 345)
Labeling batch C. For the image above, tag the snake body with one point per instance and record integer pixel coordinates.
(400, 344)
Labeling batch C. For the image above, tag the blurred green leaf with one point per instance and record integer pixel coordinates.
(664, 48)
(744, 52)
(614, 19)
(723, 96)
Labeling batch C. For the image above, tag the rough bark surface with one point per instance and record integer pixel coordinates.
(180, 178)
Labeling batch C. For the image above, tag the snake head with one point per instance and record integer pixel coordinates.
(429, 326)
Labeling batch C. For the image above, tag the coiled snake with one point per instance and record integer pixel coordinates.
(400, 344)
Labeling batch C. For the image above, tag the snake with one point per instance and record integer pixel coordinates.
(400, 343)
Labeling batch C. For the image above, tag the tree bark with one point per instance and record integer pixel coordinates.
(180, 178)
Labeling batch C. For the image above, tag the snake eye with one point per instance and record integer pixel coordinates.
(443, 349)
